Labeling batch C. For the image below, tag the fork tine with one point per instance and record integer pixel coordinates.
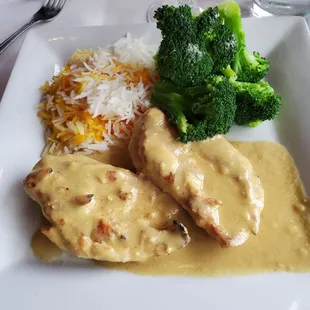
(47, 4)
(61, 4)
(55, 4)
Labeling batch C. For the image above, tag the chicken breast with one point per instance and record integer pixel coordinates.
(102, 212)
(210, 179)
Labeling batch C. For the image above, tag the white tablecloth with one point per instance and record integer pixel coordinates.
(13, 13)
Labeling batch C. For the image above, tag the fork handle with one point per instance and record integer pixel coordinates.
(15, 35)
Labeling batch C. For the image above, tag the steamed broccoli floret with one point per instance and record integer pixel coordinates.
(172, 19)
(247, 66)
(214, 105)
(195, 132)
(250, 67)
(256, 102)
(170, 99)
(221, 42)
(222, 46)
(198, 112)
(182, 56)
(185, 62)
(207, 19)
(193, 47)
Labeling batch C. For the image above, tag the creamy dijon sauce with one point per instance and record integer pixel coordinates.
(282, 243)
(116, 156)
(43, 248)
(103, 212)
(210, 179)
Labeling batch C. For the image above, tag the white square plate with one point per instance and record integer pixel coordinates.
(24, 282)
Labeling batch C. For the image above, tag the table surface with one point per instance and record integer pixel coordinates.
(13, 13)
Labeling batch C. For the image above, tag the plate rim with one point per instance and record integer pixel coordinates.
(41, 31)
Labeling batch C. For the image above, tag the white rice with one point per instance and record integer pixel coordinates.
(112, 97)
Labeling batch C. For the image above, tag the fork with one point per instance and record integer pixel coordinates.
(49, 10)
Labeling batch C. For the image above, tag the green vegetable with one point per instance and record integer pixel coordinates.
(208, 19)
(198, 112)
(192, 47)
(186, 62)
(208, 78)
(182, 56)
(222, 46)
(248, 67)
(256, 102)
(172, 100)
(254, 124)
(175, 20)
(220, 40)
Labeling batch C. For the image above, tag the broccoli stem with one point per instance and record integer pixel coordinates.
(249, 67)
(231, 14)
(254, 124)
(230, 73)
(173, 104)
